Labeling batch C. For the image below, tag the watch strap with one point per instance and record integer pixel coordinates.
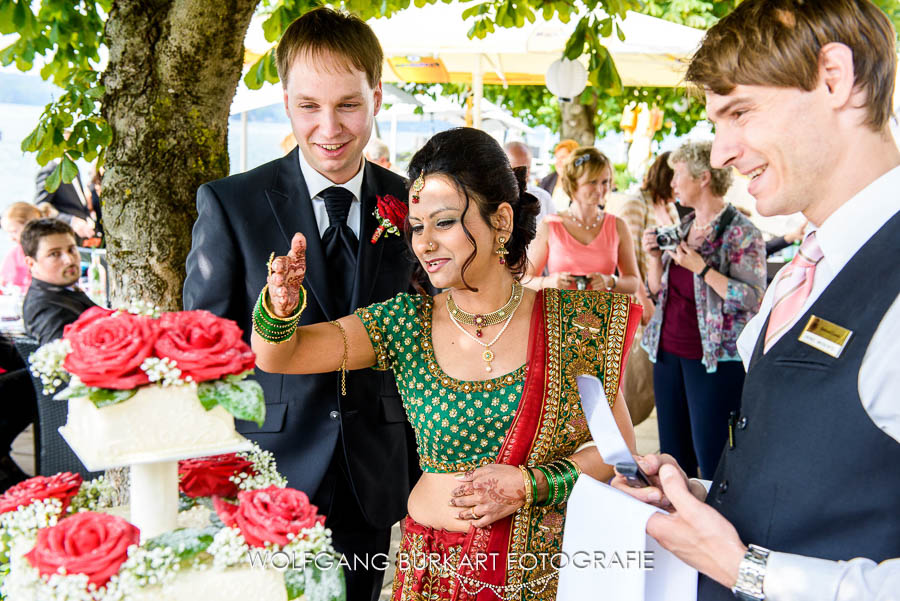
(752, 574)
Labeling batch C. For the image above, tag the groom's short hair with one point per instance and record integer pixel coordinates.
(776, 43)
(324, 31)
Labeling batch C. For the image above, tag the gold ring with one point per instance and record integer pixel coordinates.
(269, 264)
(475, 516)
(431, 246)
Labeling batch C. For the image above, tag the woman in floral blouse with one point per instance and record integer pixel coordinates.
(708, 286)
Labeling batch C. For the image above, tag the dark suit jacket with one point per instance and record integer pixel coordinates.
(49, 308)
(242, 219)
(549, 182)
(65, 199)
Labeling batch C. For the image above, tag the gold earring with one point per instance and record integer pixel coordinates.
(502, 250)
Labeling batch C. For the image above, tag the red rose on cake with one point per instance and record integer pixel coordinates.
(107, 353)
(268, 515)
(86, 318)
(202, 345)
(61, 486)
(94, 544)
(211, 476)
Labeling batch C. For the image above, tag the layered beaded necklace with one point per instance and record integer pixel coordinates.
(504, 313)
(581, 224)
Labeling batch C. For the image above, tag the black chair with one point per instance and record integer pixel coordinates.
(51, 452)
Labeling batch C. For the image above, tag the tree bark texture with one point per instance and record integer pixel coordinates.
(173, 69)
(577, 121)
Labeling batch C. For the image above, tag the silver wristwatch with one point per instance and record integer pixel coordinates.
(751, 574)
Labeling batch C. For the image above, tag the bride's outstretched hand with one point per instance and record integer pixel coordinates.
(286, 276)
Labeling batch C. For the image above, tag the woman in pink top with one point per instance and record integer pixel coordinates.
(13, 270)
(583, 246)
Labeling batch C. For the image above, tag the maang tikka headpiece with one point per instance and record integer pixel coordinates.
(417, 186)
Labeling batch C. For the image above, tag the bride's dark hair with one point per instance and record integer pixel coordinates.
(480, 169)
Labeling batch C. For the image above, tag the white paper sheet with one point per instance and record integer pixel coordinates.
(607, 552)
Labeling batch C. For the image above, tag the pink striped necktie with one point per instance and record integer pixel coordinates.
(794, 284)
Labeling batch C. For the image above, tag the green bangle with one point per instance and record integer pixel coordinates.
(271, 328)
(562, 491)
(551, 491)
(570, 473)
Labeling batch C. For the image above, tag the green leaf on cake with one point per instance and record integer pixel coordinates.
(104, 397)
(315, 581)
(186, 543)
(294, 582)
(73, 391)
(243, 399)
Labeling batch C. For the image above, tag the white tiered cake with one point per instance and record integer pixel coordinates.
(172, 395)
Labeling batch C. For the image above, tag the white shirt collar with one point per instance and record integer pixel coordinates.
(316, 182)
(853, 223)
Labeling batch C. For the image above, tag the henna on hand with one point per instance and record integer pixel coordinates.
(492, 490)
(286, 276)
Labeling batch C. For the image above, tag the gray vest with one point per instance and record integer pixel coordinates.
(810, 473)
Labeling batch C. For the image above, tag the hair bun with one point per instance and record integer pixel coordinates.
(521, 174)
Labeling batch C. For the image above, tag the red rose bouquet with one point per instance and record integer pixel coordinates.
(107, 355)
(391, 214)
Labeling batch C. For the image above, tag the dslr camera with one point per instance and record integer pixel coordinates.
(668, 237)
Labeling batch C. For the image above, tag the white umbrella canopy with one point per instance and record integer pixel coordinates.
(654, 52)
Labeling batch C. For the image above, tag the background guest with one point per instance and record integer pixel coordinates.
(69, 199)
(519, 155)
(53, 301)
(551, 183)
(378, 152)
(708, 286)
(14, 271)
(17, 408)
(583, 245)
(653, 206)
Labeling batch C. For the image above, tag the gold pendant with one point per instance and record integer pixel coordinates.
(488, 356)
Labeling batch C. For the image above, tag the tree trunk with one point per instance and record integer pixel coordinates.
(577, 121)
(173, 69)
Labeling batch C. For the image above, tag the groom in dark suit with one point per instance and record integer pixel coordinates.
(351, 454)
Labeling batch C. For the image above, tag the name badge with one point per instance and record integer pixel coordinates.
(825, 336)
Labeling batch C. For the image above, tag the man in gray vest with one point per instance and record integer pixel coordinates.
(804, 502)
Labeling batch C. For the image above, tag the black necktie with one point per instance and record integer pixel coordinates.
(340, 244)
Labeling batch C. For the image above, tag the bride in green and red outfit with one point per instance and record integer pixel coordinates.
(486, 370)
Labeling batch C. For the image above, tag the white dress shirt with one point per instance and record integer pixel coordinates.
(316, 183)
(795, 577)
(545, 199)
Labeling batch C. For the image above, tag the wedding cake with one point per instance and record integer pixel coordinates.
(155, 392)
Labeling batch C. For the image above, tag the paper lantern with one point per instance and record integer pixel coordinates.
(566, 79)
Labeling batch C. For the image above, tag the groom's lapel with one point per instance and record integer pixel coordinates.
(292, 208)
(368, 259)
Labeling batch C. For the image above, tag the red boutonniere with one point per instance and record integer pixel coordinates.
(391, 213)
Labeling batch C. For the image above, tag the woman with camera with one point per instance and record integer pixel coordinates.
(583, 246)
(709, 276)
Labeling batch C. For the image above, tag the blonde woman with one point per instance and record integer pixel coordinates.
(583, 246)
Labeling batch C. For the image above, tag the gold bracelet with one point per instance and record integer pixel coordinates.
(529, 492)
(343, 367)
(293, 316)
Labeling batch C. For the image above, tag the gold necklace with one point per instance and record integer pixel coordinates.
(487, 319)
(488, 355)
